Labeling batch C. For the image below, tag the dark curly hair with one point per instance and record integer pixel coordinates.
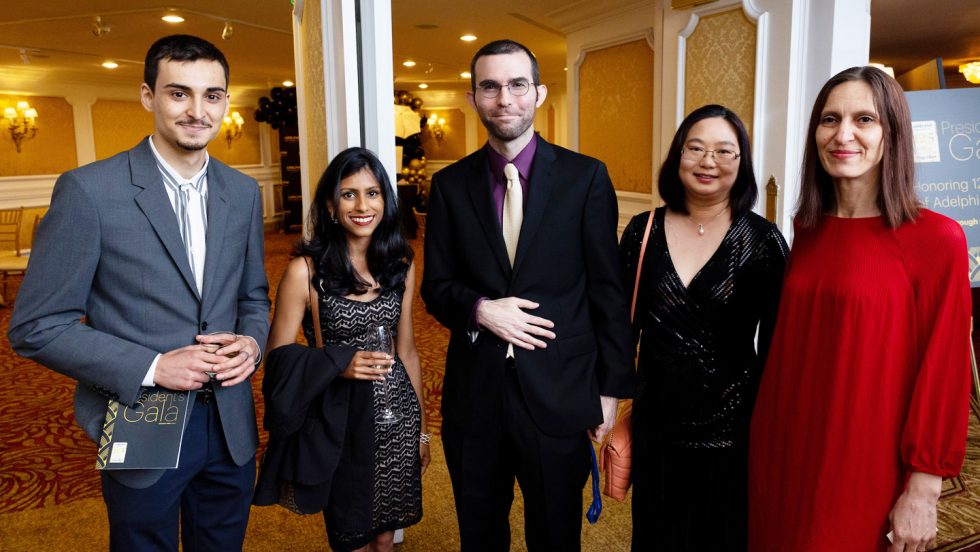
(388, 255)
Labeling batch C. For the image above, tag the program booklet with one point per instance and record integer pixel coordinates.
(146, 435)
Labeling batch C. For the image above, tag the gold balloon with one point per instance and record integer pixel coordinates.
(415, 163)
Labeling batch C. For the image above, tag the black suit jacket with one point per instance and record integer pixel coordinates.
(566, 261)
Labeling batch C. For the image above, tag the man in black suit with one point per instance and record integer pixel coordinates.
(540, 346)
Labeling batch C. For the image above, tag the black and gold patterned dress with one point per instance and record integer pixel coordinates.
(699, 372)
(384, 464)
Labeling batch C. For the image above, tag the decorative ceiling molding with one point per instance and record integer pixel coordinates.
(588, 13)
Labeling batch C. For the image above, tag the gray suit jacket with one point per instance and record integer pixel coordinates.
(109, 250)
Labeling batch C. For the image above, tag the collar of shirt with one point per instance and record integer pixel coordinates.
(200, 176)
(498, 184)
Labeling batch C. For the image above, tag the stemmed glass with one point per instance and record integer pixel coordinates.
(378, 339)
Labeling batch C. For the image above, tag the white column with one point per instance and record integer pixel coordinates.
(341, 86)
(379, 82)
(81, 111)
(804, 42)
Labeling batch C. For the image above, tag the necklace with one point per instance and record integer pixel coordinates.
(709, 221)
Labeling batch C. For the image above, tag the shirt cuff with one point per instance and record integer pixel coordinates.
(148, 378)
(474, 326)
(257, 348)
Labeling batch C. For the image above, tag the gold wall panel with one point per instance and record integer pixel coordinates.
(720, 65)
(118, 126)
(315, 108)
(51, 151)
(615, 113)
(453, 144)
(246, 150)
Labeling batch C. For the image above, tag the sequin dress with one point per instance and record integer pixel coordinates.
(395, 482)
(699, 372)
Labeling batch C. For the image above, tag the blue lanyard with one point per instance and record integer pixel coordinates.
(596, 507)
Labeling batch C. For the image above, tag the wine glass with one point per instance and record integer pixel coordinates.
(378, 339)
(227, 338)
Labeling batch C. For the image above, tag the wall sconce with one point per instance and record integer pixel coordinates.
(437, 127)
(233, 125)
(971, 71)
(22, 122)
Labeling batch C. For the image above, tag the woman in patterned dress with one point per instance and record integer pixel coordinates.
(365, 277)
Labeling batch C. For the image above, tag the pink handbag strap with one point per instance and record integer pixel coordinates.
(639, 264)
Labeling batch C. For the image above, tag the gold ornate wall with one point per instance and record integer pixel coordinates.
(453, 145)
(118, 126)
(246, 149)
(315, 108)
(481, 134)
(615, 112)
(51, 151)
(720, 65)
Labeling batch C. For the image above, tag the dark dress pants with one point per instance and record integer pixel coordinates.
(208, 493)
(551, 472)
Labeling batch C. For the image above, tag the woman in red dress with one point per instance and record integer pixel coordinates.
(863, 404)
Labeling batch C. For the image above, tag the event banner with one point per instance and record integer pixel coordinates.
(946, 125)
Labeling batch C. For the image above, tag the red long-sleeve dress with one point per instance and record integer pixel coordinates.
(868, 380)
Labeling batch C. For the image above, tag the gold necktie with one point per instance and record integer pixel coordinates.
(513, 210)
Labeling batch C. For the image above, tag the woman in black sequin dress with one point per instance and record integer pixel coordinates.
(365, 276)
(711, 277)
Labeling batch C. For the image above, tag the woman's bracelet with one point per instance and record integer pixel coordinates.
(424, 438)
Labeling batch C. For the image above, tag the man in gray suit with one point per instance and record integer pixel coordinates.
(139, 258)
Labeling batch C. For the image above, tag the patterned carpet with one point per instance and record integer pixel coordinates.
(47, 473)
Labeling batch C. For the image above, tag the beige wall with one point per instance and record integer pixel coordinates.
(616, 112)
(118, 126)
(51, 151)
(315, 108)
(453, 144)
(721, 64)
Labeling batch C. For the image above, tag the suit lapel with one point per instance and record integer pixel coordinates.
(155, 204)
(542, 182)
(217, 221)
(479, 187)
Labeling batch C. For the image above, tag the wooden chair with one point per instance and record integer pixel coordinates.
(12, 259)
(420, 221)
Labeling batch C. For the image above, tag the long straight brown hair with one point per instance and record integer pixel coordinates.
(896, 193)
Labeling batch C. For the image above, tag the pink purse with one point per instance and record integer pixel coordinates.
(615, 455)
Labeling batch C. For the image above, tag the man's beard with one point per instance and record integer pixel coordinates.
(192, 146)
(508, 133)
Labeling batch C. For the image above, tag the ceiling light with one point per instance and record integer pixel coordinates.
(408, 63)
(227, 31)
(423, 86)
(173, 18)
(468, 38)
(971, 71)
(465, 75)
(110, 64)
(288, 83)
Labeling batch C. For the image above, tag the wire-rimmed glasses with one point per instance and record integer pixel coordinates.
(491, 89)
(721, 156)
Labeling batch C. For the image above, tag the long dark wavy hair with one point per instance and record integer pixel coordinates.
(388, 255)
(744, 192)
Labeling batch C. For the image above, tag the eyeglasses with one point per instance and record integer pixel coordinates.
(491, 89)
(697, 153)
